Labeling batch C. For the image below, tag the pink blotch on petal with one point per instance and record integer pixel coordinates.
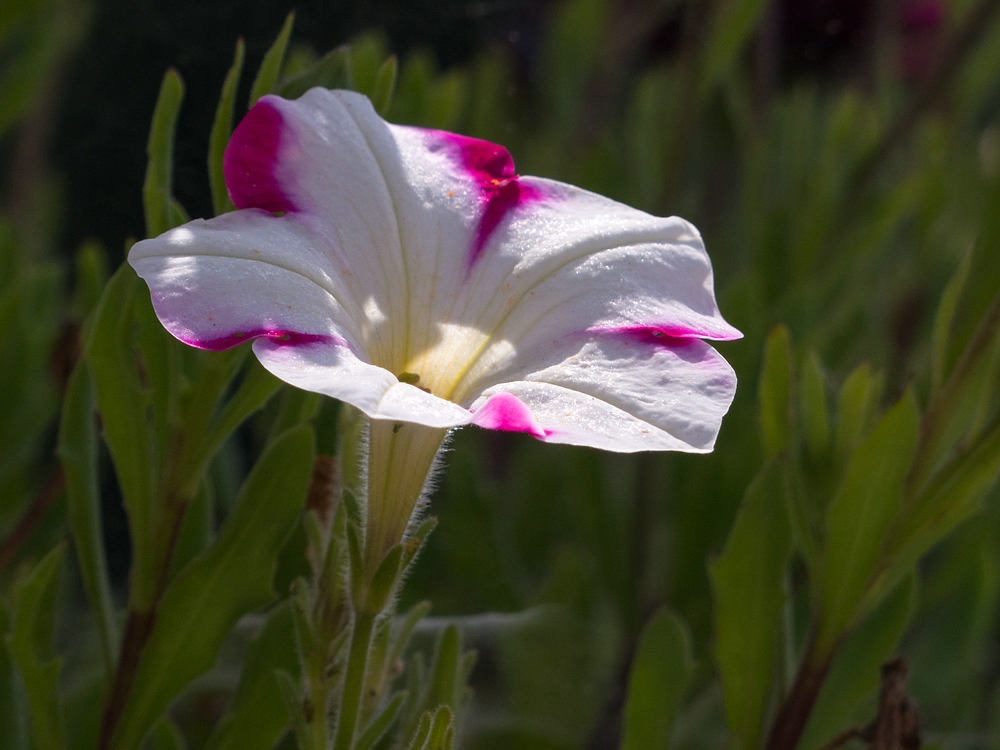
(491, 167)
(250, 161)
(278, 336)
(505, 411)
(671, 334)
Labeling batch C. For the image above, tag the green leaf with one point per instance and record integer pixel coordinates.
(381, 723)
(166, 736)
(91, 276)
(656, 684)
(296, 407)
(774, 394)
(384, 581)
(860, 514)
(443, 687)
(77, 451)
(332, 71)
(943, 320)
(222, 129)
(748, 587)
(854, 674)
(734, 24)
(812, 400)
(855, 408)
(158, 188)
(385, 85)
(255, 390)
(270, 68)
(259, 715)
(291, 693)
(231, 578)
(13, 711)
(30, 646)
(122, 402)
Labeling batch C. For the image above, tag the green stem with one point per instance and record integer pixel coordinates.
(319, 698)
(354, 680)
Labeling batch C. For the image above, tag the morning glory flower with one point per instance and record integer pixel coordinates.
(413, 274)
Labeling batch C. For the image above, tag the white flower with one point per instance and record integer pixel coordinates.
(413, 274)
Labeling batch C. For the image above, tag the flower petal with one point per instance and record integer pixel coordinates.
(626, 392)
(217, 283)
(335, 371)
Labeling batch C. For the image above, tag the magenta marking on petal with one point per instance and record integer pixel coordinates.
(671, 334)
(505, 411)
(278, 336)
(250, 161)
(491, 167)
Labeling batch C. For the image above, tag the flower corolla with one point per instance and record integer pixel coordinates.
(413, 274)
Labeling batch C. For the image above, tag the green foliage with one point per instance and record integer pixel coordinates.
(861, 513)
(270, 68)
(818, 525)
(231, 578)
(659, 675)
(258, 716)
(222, 129)
(30, 647)
(748, 581)
(162, 211)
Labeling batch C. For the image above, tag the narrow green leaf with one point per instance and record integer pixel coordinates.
(381, 723)
(232, 578)
(956, 492)
(259, 714)
(30, 646)
(443, 687)
(858, 517)
(122, 401)
(297, 406)
(748, 587)
(165, 736)
(419, 741)
(734, 24)
(270, 68)
(775, 394)
(256, 389)
(812, 400)
(415, 541)
(77, 451)
(943, 319)
(332, 71)
(855, 407)
(13, 709)
(656, 685)
(91, 276)
(416, 613)
(854, 674)
(438, 738)
(197, 528)
(291, 693)
(384, 581)
(385, 85)
(158, 188)
(222, 129)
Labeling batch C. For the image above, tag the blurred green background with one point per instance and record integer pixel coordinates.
(842, 160)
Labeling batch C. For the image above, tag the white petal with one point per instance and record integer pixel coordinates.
(627, 393)
(216, 283)
(336, 372)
